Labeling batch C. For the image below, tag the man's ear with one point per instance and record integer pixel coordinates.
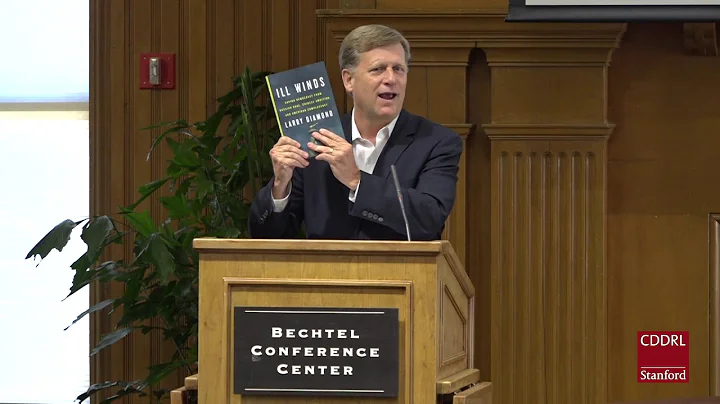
(347, 79)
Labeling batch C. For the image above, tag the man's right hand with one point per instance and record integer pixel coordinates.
(285, 156)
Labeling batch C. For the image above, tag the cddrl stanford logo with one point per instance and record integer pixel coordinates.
(663, 356)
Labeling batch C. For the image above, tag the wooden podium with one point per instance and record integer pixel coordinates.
(422, 283)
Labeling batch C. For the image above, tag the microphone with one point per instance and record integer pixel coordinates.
(400, 199)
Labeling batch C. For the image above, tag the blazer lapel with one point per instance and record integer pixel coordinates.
(400, 139)
(347, 127)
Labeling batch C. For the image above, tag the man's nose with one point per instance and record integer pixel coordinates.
(389, 76)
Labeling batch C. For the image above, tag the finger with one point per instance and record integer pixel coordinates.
(325, 157)
(286, 140)
(317, 147)
(321, 149)
(324, 139)
(290, 162)
(332, 135)
(331, 159)
(297, 158)
(279, 150)
(278, 155)
(293, 149)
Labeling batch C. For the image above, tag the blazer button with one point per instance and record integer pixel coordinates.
(365, 213)
(375, 216)
(380, 219)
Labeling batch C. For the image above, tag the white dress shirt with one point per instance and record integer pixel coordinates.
(366, 156)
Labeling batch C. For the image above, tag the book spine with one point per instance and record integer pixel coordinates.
(272, 99)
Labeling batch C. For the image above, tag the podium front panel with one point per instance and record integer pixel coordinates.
(334, 294)
(318, 279)
(421, 283)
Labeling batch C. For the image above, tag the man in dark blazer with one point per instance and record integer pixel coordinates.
(347, 191)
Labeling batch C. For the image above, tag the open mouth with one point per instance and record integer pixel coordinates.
(387, 96)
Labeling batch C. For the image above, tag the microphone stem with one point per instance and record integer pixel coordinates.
(400, 199)
(407, 227)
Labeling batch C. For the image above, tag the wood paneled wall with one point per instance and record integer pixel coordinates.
(663, 201)
(576, 233)
(213, 40)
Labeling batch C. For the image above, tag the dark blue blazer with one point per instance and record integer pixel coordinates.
(426, 156)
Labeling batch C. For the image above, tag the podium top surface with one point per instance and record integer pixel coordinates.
(273, 247)
(324, 246)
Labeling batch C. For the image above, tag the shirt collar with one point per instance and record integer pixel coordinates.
(388, 129)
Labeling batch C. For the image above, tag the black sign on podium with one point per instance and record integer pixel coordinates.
(309, 351)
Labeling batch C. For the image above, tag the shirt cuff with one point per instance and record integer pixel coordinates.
(280, 204)
(353, 193)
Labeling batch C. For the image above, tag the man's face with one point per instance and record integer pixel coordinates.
(378, 83)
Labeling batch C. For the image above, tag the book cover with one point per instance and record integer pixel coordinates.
(304, 103)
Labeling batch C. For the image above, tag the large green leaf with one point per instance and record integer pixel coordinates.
(161, 258)
(161, 371)
(145, 191)
(95, 235)
(94, 308)
(184, 153)
(179, 127)
(57, 239)
(111, 338)
(97, 387)
(141, 222)
(177, 206)
(107, 271)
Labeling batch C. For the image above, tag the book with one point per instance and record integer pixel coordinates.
(304, 103)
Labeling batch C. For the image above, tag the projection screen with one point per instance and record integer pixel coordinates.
(613, 10)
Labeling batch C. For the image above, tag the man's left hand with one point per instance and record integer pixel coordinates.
(339, 154)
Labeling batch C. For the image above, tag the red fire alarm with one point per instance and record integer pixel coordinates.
(157, 70)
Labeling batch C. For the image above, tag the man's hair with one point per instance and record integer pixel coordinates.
(366, 38)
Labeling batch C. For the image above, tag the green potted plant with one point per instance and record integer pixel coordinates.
(217, 165)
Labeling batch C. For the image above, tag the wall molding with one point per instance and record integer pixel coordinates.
(714, 302)
(548, 131)
(475, 28)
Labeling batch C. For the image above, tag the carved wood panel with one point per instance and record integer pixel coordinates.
(548, 273)
(662, 171)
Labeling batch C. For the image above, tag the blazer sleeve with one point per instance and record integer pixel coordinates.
(264, 222)
(428, 205)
